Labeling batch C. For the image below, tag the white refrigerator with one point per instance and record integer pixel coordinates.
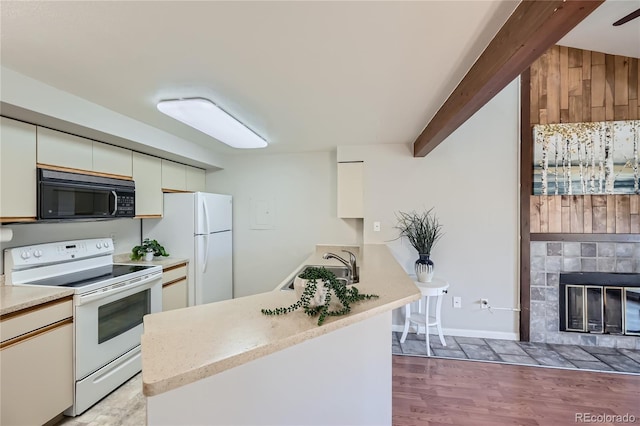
(198, 226)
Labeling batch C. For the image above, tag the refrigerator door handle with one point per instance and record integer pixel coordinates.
(205, 261)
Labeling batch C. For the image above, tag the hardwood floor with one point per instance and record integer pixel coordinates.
(431, 391)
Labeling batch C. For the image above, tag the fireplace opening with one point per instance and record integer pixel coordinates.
(600, 302)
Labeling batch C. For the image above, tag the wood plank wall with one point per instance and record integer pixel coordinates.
(585, 214)
(572, 85)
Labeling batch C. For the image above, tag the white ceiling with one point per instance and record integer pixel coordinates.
(305, 75)
(597, 33)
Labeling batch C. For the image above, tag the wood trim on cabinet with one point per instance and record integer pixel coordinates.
(526, 187)
(35, 333)
(17, 219)
(177, 191)
(37, 307)
(83, 172)
(176, 281)
(171, 268)
(531, 29)
(148, 216)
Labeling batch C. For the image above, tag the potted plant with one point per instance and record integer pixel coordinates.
(148, 249)
(422, 230)
(314, 287)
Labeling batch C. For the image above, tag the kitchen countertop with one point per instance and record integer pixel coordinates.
(16, 297)
(183, 346)
(165, 262)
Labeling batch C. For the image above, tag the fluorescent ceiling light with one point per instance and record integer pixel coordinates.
(204, 115)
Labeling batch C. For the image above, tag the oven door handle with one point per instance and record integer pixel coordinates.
(138, 284)
(115, 203)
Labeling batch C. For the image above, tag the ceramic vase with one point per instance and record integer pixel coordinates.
(148, 256)
(424, 268)
(318, 299)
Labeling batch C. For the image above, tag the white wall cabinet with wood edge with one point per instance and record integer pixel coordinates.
(17, 171)
(351, 190)
(112, 160)
(62, 150)
(147, 174)
(37, 365)
(174, 287)
(196, 179)
(174, 176)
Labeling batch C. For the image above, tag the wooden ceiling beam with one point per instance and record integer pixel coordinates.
(531, 29)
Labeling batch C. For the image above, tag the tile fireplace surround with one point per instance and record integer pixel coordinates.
(548, 260)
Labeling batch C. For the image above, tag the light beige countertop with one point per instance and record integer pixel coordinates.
(14, 298)
(165, 262)
(183, 346)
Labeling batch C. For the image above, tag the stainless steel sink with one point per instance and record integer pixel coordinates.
(342, 273)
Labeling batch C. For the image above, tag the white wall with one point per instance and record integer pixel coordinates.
(471, 180)
(125, 232)
(303, 190)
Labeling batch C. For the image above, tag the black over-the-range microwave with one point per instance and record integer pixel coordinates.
(65, 195)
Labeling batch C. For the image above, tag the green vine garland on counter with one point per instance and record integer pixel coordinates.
(346, 296)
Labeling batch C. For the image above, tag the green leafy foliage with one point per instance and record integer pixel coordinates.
(148, 245)
(320, 276)
(422, 230)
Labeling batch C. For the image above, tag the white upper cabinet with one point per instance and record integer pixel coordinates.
(111, 159)
(174, 176)
(351, 190)
(195, 179)
(17, 171)
(64, 150)
(61, 149)
(147, 174)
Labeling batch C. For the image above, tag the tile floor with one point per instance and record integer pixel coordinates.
(125, 406)
(543, 354)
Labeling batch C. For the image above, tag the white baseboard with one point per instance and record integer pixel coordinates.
(483, 334)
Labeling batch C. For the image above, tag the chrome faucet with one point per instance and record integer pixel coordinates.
(351, 264)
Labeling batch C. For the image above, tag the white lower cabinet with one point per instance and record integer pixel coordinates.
(36, 368)
(174, 287)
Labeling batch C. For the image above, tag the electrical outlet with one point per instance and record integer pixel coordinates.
(457, 302)
(484, 303)
(376, 226)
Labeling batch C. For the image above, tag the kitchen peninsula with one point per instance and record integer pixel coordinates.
(227, 363)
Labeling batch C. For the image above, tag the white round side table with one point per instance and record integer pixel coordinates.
(436, 288)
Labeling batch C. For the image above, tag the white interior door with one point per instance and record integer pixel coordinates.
(214, 276)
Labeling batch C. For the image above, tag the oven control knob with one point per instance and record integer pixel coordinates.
(98, 245)
(37, 253)
(106, 244)
(25, 255)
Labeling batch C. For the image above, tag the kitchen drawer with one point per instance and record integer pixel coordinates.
(174, 272)
(174, 295)
(37, 377)
(27, 320)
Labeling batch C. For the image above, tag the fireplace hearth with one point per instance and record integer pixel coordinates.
(598, 302)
